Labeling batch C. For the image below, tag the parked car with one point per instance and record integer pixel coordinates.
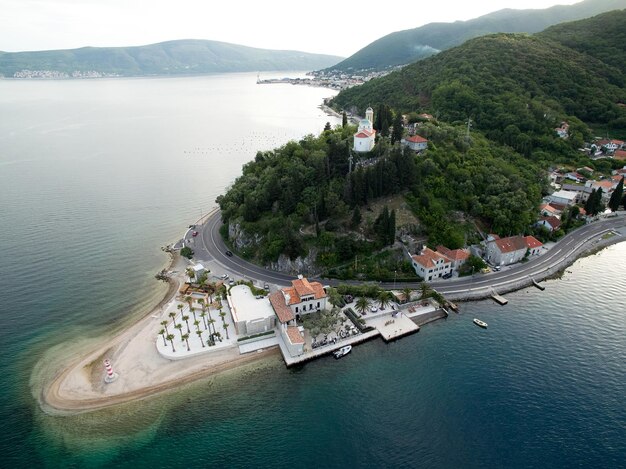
(229, 254)
(194, 234)
(266, 286)
(448, 275)
(231, 282)
(497, 268)
(224, 276)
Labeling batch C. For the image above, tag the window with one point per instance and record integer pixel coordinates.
(296, 309)
(318, 305)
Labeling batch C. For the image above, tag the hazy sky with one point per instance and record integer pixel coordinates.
(335, 27)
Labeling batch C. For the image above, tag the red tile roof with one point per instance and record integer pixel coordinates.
(453, 254)
(283, 312)
(295, 337)
(364, 134)
(511, 244)
(416, 139)
(428, 258)
(548, 208)
(554, 222)
(532, 242)
(620, 155)
(302, 287)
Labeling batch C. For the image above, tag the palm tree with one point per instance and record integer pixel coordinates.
(406, 294)
(173, 316)
(211, 322)
(189, 300)
(199, 333)
(222, 314)
(180, 329)
(164, 324)
(384, 298)
(193, 311)
(203, 316)
(425, 290)
(197, 324)
(185, 337)
(225, 325)
(218, 335)
(186, 319)
(190, 273)
(162, 332)
(170, 337)
(362, 304)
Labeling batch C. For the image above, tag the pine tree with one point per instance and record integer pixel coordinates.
(616, 197)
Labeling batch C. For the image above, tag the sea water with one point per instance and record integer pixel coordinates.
(97, 175)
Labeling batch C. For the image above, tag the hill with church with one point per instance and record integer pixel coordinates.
(462, 143)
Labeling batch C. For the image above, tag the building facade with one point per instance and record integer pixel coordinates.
(430, 265)
(365, 136)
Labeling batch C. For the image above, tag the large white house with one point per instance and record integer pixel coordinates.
(365, 135)
(430, 264)
(505, 251)
(302, 297)
(251, 314)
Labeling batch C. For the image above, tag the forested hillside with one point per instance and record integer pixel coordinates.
(404, 47)
(165, 58)
(515, 88)
(602, 37)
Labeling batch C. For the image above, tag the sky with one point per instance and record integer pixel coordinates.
(335, 27)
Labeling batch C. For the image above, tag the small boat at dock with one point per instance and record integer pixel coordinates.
(480, 323)
(342, 351)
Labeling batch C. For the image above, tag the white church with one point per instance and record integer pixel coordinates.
(365, 135)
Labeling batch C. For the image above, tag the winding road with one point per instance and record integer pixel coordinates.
(211, 247)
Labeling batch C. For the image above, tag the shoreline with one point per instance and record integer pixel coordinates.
(79, 386)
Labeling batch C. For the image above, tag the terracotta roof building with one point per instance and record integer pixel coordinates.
(456, 256)
(510, 250)
(415, 142)
(431, 265)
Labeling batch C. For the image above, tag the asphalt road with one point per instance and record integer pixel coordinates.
(210, 246)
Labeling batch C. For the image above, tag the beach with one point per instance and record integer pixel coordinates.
(80, 385)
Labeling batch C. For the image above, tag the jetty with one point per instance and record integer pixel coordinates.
(535, 283)
(498, 299)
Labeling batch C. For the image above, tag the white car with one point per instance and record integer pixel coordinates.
(373, 309)
(224, 276)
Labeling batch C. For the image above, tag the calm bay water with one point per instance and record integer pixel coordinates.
(96, 175)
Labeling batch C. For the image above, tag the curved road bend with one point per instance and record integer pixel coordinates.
(212, 246)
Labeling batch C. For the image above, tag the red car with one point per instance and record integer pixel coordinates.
(194, 234)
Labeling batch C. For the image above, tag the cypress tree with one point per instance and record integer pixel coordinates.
(396, 135)
(344, 119)
(616, 197)
(391, 228)
(356, 217)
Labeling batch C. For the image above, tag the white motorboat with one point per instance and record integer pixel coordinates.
(480, 323)
(342, 351)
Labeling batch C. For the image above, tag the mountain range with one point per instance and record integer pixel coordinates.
(404, 47)
(165, 58)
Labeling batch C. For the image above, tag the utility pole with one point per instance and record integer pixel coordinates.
(469, 125)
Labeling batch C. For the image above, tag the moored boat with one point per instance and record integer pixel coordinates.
(342, 351)
(480, 323)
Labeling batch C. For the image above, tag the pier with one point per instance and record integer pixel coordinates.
(535, 283)
(499, 299)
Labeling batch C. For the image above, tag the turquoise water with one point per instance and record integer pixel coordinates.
(95, 176)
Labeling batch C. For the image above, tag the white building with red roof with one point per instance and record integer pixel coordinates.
(456, 256)
(289, 303)
(415, 142)
(431, 265)
(505, 251)
(365, 136)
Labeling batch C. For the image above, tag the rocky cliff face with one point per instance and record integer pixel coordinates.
(240, 238)
(300, 265)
